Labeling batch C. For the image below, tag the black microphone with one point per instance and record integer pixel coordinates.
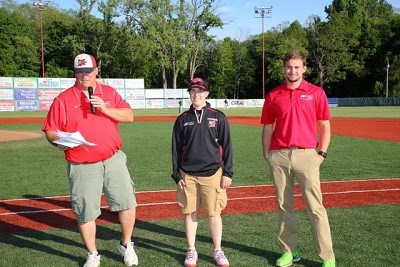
(90, 91)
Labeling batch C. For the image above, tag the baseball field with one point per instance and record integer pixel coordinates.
(360, 184)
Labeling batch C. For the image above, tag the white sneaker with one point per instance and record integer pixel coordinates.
(92, 259)
(191, 258)
(220, 258)
(129, 254)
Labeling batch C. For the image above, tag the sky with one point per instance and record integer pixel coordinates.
(239, 16)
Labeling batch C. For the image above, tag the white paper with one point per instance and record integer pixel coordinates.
(71, 139)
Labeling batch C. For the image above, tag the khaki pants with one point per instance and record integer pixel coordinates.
(302, 164)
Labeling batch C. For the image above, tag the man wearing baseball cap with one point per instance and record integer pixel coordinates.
(202, 168)
(95, 110)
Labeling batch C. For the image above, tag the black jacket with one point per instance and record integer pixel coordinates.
(201, 144)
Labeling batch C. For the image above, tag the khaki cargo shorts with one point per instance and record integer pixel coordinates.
(204, 192)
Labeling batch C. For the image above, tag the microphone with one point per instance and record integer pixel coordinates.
(92, 108)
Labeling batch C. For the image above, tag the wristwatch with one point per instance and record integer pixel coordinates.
(323, 154)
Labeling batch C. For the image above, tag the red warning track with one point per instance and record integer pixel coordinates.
(18, 215)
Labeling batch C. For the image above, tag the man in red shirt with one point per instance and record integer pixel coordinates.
(290, 115)
(95, 110)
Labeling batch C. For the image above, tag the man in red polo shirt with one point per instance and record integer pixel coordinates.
(290, 115)
(95, 110)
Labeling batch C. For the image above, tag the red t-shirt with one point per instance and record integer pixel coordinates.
(295, 114)
(70, 112)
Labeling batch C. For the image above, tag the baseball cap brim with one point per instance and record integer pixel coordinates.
(84, 70)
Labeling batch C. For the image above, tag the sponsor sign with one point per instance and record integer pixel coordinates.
(26, 105)
(45, 105)
(67, 82)
(6, 94)
(115, 83)
(6, 105)
(134, 94)
(134, 83)
(48, 94)
(25, 82)
(25, 94)
(49, 83)
(6, 82)
(173, 93)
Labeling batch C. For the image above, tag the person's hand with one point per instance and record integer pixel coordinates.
(321, 158)
(225, 182)
(98, 102)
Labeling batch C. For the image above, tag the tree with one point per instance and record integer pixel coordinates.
(17, 40)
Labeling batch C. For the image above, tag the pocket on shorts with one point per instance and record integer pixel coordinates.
(222, 199)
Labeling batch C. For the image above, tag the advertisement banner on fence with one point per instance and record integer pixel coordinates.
(67, 82)
(48, 94)
(49, 83)
(173, 93)
(115, 83)
(137, 103)
(155, 103)
(6, 105)
(45, 105)
(6, 82)
(134, 83)
(154, 93)
(25, 105)
(235, 103)
(134, 94)
(20, 82)
(25, 94)
(6, 94)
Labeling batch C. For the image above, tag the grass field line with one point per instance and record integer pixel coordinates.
(229, 199)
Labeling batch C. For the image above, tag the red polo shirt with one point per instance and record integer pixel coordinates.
(295, 114)
(70, 112)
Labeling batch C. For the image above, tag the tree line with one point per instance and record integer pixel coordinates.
(351, 52)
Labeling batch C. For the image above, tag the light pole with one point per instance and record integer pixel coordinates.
(387, 77)
(40, 5)
(259, 12)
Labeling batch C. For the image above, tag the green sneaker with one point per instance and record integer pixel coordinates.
(287, 259)
(329, 263)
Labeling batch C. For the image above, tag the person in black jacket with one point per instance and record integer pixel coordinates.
(202, 168)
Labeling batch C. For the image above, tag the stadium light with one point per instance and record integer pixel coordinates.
(261, 12)
(40, 5)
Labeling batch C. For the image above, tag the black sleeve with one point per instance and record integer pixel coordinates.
(176, 151)
(226, 144)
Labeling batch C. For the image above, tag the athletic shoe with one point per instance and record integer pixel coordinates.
(220, 258)
(129, 254)
(287, 259)
(191, 258)
(92, 259)
(329, 263)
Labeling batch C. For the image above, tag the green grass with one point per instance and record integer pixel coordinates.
(362, 236)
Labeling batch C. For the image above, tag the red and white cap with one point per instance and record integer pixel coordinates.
(84, 63)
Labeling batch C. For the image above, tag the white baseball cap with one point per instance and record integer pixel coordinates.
(84, 63)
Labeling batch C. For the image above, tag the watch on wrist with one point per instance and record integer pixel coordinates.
(323, 154)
